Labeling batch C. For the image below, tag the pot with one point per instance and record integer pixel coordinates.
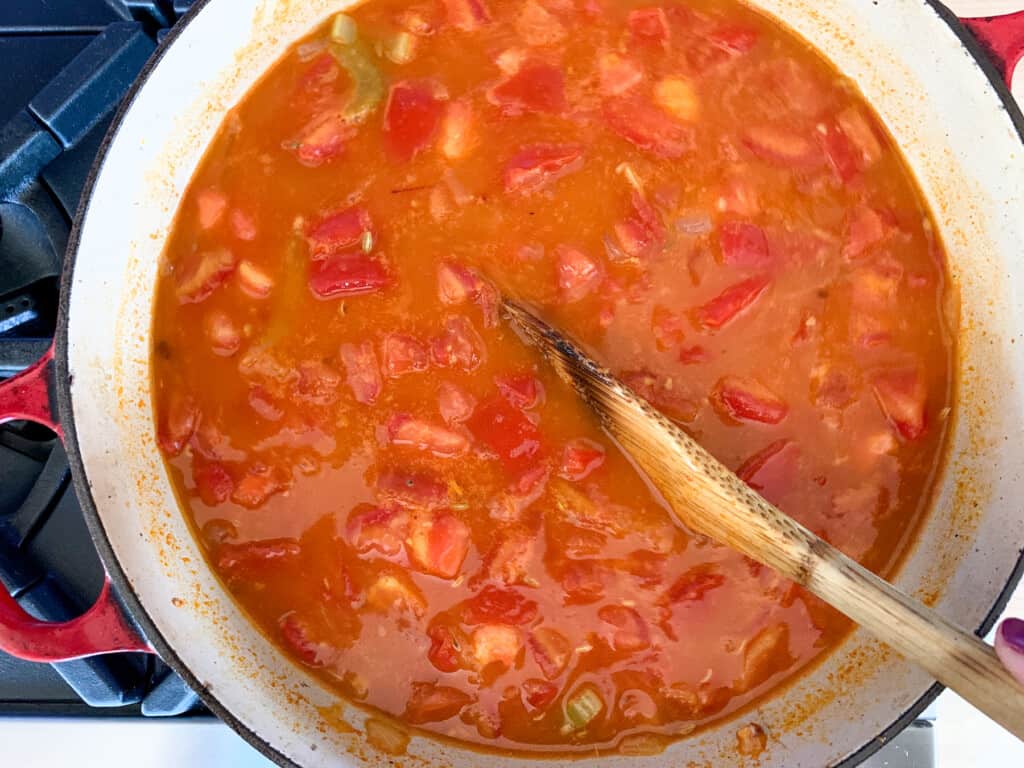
(961, 134)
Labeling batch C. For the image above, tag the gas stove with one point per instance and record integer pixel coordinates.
(64, 67)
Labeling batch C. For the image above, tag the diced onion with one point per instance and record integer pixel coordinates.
(402, 48)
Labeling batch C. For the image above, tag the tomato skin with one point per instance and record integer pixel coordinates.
(404, 429)
(772, 470)
(338, 231)
(580, 458)
(411, 118)
(743, 244)
(431, 703)
(508, 432)
(902, 395)
(645, 126)
(539, 693)
(732, 302)
(445, 648)
(522, 390)
(747, 400)
(363, 372)
(499, 605)
(348, 274)
(693, 585)
(630, 633)
(537, 166)
(533, 88)
(213, 483)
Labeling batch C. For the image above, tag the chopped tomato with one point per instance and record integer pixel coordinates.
(858, 130)
(496, 643)
(743, 244)
(362, 371)
(649, 25)
(223, 334)
(457, 285)
(578, 274)
(747, 400)
(668, 327)
(431, 703)
(539, 693)
(203, 273)
(780, 144)
(658, 393)
(522, 390)
(370, 528)
(646, 126)
(693, 585)
(510, 558)
(446, 648)
(456, 405)
(506, 431)
(318, 79)
(322, 139)
(401, 354)
(438, 545)
(641, 233)
(534, 87)
(618, 74)
(630, 633)
(348, 274)
(499, 605)
(538, 165)
(232, 558)
(551, 650)
(211, 204)
(693, 355)
(253, 280)
(731, 302)
(394, 591)
(181, 415)
(467, 15)
(258, 485)
(403, 429)
(841, 153)
(902, 395)
(339, 231)
(213, 483)
(538, 26)
(317, 383)
(459, 345)
(458, 130)
(772, 470)
(733, 38)
(583, 582)
(242, 225)
(297, 635)
(411, 118)
(739, 196)
(867, 227)
(579, 458)
(413, 490)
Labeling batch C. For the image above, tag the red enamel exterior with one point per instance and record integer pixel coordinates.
(101, 629)
(1003, 38)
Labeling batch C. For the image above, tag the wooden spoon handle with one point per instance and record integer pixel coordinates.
(709, 498)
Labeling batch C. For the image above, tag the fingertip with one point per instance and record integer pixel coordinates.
(1010, 647)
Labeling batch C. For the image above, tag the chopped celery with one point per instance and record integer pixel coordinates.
(402, 48)
(582, 707)
(293, 284)
(344, 30)
(367, 81)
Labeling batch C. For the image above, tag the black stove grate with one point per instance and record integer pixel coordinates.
(65, 65)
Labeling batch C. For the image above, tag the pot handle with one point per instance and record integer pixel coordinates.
(1003, 39)
(103, 628)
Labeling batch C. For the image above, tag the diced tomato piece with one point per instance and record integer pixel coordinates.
(646, 126)
(693, 355)
(867, 227)
(649, 25)
(362, 371)
(856, 506)
(322, 139)
(317, 383)
(348, 274)
(509, 559)
(538, 165)
(631, 633)
(668, 327)
(510, 505)
(496, 643)
(253, 280)
(841, 154)
(456, 405)
(181, 415)
(551, 650)
(222, 333)
(413, 490)
(258, 485)
(323, 71)
(446, 648)
(457, 284)
(583, 582)
(242, 225)
(438, 545)
(458, 346)
(733, 38)
(693, 585)
(411, 118)
(297, 636)
(780, 144)
(579, 458)
(859, 131)
(395, 591)
(467, 15)
(772, 470)
(522, 390)
(641, 233)
(499, 605)
(618, 74)
(232, 558)
(211, 204)
(213, 483)
(432, 703)
(458, 130)
(338, 231)
(727, 305)
(534, 87)
(402, 354)
(264, 405)
(654, 390)
(538, 26)
(403, 429)
(902, 395)
(203, 273)
(747, 400)
(743, 244)
(539, 693)
(370, 528)
(739, 196)
(506, 431)
(578, 274)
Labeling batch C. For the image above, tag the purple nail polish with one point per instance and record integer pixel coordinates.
(1012, 631)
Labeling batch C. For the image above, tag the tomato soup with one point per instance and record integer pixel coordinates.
(404, 497)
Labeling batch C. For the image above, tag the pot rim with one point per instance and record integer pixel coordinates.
(83, 489)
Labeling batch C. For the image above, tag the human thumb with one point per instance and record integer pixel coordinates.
(1010, 647)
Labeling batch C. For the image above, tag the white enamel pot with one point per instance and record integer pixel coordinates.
(943, 102)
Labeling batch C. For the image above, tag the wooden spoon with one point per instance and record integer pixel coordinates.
(709, 498)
